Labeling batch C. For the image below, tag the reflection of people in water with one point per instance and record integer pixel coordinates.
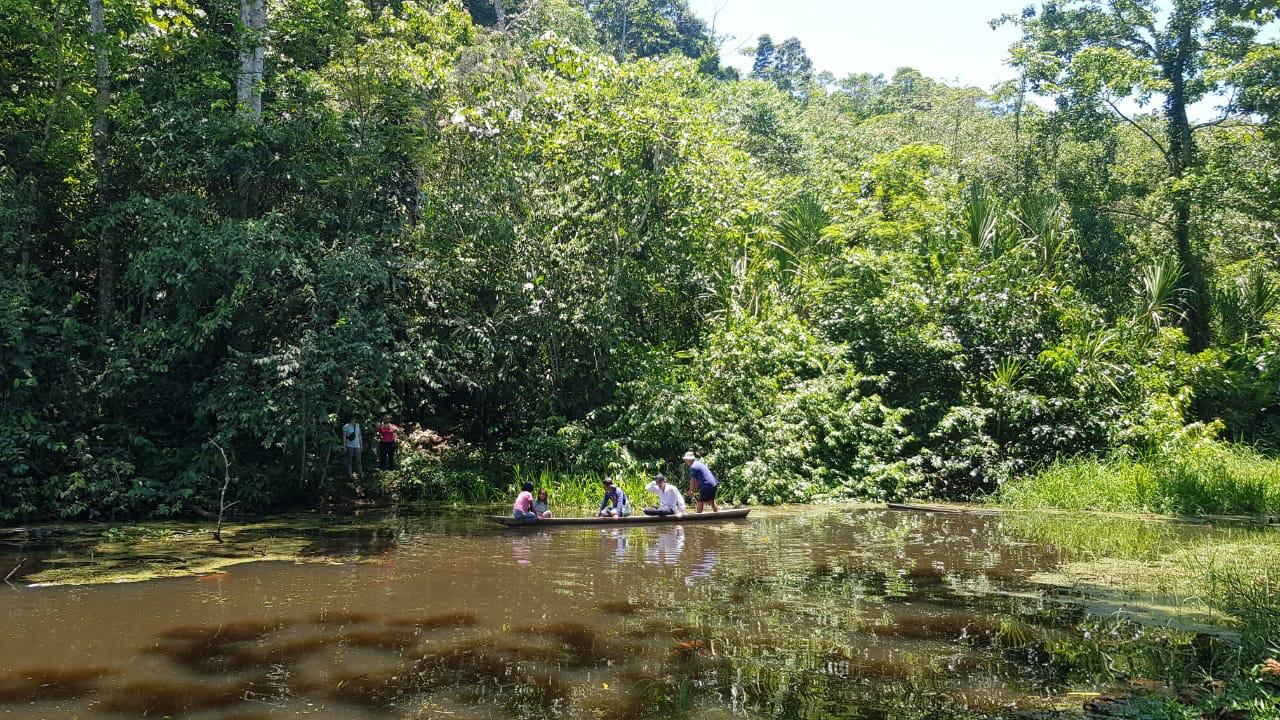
(667, 547)
(523, 550)
(617, 539)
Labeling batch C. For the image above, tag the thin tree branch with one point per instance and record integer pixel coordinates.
(16, 568)
(1132, 214)
(1164, 152)
(222, 497)
(715, 15)
(1227, 114)
(1215, 123)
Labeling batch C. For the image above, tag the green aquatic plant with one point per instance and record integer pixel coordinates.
(134, 532)
(1200, 479)
(581, 491)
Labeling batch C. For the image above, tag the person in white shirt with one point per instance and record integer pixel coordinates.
(352, 447)
(670, 501)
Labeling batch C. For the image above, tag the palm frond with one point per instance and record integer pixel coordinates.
(981, 222)
(1246, 304)
(1161, 297)
(1044, 224)
(1007, 373)
(800, 230)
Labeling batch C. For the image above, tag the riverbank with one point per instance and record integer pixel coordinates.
(1122, 561)
(1201, 479)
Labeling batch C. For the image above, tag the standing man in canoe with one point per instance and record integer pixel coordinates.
(707, 485)
(670, 501)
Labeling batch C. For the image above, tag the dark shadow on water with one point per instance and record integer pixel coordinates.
(50, 684)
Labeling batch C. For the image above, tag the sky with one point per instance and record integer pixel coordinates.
(945, 39)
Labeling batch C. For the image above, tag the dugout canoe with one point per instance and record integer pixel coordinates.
(637, 518)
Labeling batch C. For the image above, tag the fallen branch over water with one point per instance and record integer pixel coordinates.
(938, 509)
(16, 568)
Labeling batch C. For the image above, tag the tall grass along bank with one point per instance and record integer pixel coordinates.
(1203, 479)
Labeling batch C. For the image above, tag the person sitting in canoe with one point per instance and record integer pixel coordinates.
(615, 502)
(670, 501)
(701, 477)
(523, 507)
(542, 506)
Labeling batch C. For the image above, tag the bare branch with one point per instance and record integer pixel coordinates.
(715, 15)
(222, 498)
(1226, 115)
(1136, 215)
(16, 568)
(738, 48)
(1212, 123)
(1164, 152)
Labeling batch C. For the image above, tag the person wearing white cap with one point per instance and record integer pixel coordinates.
(707, 484)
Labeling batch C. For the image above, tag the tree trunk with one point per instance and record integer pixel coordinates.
(101, 159)
(1182, 152)
(626, 16)
(253, 18)
(501, 13)
(253, 21)
(1021, 154)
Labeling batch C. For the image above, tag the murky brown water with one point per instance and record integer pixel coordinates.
(790, 614)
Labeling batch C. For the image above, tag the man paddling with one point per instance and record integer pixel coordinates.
(707, 485)
(670, 501)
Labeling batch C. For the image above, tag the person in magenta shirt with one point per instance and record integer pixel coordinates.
(523, 507)
(387, 444)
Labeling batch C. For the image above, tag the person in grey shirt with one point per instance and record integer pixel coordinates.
(352, 447)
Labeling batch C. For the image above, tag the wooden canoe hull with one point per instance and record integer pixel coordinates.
(637, 518)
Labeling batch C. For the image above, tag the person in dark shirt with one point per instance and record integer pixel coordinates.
(707, 485)
(615, 502)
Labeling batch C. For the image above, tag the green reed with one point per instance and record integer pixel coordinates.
(1208, 479)
(582, 490)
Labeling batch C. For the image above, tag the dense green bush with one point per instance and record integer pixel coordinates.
(572, 255)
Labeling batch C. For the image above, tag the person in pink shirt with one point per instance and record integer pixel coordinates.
(387, 444)
(523, 508)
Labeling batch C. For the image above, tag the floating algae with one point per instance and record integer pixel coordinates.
(181, 551)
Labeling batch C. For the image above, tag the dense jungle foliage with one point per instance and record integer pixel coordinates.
(551, 233)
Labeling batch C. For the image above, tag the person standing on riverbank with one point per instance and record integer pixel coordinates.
(352, 448)
(706, 482)
(387, 444)
(670, 501)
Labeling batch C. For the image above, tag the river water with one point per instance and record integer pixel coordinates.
(802, 613)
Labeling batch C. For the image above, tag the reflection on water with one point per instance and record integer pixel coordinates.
(792, 614)
(667, 546)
